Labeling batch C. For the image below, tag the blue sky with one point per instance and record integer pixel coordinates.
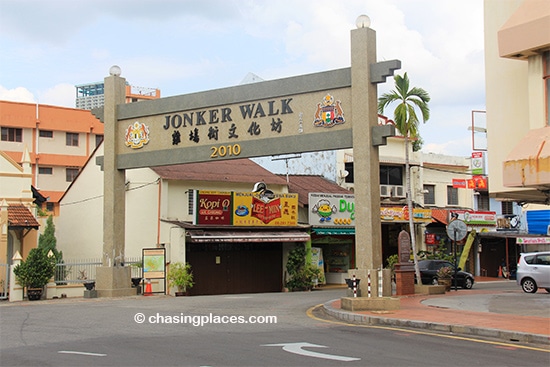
(183, 46)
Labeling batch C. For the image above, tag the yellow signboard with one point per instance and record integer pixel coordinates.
(401, 214)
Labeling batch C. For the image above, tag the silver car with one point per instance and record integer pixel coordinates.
(533, 271)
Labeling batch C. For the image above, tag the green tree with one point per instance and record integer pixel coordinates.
(407, 122)
(48, 242)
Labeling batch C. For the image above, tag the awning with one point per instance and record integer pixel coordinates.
(440, 215)
(334, 231)
(528, 164)
(525, 33)
(199, 236)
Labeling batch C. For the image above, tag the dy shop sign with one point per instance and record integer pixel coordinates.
(331, 210)
(245, 209)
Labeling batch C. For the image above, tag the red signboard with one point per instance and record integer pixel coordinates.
(214, 208)
(459, 183)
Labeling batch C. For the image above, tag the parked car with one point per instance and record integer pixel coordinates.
(429, 268)
(533, 271)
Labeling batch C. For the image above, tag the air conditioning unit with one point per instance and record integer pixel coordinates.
(399, 191)
(385, 191)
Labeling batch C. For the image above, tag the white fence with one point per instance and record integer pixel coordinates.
(82, 270)
(68, 280)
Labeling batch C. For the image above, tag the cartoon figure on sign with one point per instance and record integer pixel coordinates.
(137, 135)
(324, 210)
(329, 114)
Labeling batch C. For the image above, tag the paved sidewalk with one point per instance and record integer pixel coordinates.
(450, 313)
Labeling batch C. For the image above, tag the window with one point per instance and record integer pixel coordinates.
(507, 207)
(391, 175)
(70, 174)
(190, 201)
(429, 196)
(483, 200)
(12, 134)
(98, 140)
(45, 170)
(72, 139)
(348, 166)
(452, 195)
(49, 207)
(45, 134)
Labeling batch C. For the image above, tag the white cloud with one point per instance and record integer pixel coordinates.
(18, 94)
(59, 95)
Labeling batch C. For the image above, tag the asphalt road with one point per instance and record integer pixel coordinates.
(104, 332)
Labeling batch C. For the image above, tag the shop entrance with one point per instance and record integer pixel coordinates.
(233, 267)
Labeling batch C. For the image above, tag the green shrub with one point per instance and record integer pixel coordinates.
(36, 271)
(302, 274)
(180, 276)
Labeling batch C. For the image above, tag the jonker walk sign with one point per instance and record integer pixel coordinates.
(315, 112)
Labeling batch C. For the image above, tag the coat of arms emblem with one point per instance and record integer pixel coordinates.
(137, 135)
(329, 113)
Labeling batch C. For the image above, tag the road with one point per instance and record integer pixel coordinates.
(104, 332)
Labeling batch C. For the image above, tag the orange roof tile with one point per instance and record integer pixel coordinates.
(53, 196)
(21, 217)
(236, 170)
(304, 184)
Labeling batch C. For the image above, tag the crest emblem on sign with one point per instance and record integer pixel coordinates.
(137, 135)
(329, 113)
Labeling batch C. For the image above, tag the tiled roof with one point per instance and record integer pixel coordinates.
(21, 217)
(304, 184)
(236, 170)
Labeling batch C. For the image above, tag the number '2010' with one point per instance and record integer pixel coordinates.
(225, 150)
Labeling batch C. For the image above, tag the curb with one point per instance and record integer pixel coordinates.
(504, 335)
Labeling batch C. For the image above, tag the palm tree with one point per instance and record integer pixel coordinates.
(406, 121)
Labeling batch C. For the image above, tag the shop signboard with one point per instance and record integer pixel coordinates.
(213, 207)
(401, 214)
(471, 217)
(255, 209)
(478, 163)
(338, 210)
(245, 209)
(331, 210)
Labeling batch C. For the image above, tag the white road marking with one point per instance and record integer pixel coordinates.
(296, 348)
(82, 353)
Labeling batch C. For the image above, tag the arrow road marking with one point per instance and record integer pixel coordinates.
(81, 353)
(296, 348)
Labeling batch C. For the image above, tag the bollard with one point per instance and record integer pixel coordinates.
(368, 284)
(380, 284)
(354, 282)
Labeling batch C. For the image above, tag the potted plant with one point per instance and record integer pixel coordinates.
(181, 277)
(35, 272)
(444, 276)
(136, 275)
